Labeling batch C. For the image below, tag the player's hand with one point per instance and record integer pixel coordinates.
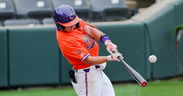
(114, 57)
(111, 47)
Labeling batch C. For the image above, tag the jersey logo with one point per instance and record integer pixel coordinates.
(89, 42)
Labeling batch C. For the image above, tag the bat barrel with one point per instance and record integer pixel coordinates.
(135, 74)
(143, 84)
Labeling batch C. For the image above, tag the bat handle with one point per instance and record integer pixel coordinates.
(120, 58)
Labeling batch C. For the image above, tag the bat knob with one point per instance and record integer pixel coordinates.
(144, 84)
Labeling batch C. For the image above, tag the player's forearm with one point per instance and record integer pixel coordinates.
(93, 32)
(97, 33)
(93, 60)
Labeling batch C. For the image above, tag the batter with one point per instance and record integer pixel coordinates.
(78, 43)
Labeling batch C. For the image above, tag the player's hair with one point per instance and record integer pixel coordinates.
(61, 28)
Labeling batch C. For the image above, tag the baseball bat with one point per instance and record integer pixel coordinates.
(134, 73)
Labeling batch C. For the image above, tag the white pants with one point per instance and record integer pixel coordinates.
(93, 83)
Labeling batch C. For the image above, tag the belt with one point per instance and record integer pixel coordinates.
(88, 69)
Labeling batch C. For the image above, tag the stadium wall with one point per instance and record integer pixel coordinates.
(3, 58)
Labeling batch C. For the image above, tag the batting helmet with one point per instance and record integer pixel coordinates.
(65, 16)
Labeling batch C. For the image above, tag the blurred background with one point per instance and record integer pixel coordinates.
(39, 12)
(30, 57)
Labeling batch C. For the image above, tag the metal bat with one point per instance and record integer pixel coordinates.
(134, 73)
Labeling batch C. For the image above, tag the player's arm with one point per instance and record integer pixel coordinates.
(99, 35)
(93, 60)
(93, 32)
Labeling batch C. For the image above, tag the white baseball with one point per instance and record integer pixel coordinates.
(152, 58)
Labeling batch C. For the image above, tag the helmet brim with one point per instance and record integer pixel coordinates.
(71, 23)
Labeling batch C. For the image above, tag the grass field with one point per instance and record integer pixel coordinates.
(155, 88)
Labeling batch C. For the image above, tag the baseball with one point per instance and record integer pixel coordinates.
(152, 58)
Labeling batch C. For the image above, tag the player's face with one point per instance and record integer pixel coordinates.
(70, 28)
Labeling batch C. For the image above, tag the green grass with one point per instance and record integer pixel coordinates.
(155, 88)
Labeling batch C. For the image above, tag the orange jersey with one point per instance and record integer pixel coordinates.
(76, 46)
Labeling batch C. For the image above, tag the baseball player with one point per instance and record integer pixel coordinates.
(78, 43)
